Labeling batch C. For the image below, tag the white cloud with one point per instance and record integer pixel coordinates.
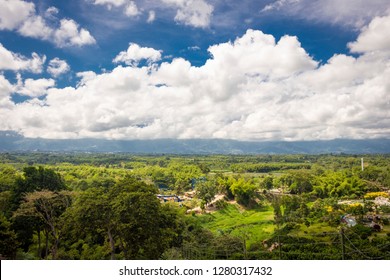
(194, 48)
(374, 37)
(196, 13)
(51, 11)
(279, 4)
(36, 27)
(17, 62)
(85, 77)
(69, 34)
(349, 13)
(134, 54)
(35, 88)
(110, 3)
(129, 7)
(14, 12)
(252, 88)
(151, 17)
(6, 89)
(21, 16)
(57, 67)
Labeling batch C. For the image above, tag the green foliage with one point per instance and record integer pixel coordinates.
(8, 177)
(257, 223)
(339, 184)
(35, 179)
(221, 204)
(297, 182)
(5, 203)
(267, 167)
(128, 217)
(267, 183)
(243, 190)
(8, 239)
(112, 210)
(46, 208)
(206, 191)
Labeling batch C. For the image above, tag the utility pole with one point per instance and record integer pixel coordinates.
(362, 164)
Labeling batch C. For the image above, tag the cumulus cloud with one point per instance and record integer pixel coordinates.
(35, 88)
(6, 88)
(85, 77)
(354, 13)
(21, 16)
(70, 34)
(374, 37)
(36, 27)
(14, 12)
(252, 88)
(135, 54)
(196, 13)
(17, 62)
(57, 67)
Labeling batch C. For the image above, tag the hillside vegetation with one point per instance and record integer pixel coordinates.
(122, 206)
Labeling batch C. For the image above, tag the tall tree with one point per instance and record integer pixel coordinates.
(8, 240)
(35, 179)
(47, 206)
(131, 216)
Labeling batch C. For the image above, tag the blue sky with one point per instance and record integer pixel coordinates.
(249, 70)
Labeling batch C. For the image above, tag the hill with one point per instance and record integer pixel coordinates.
(13, 142)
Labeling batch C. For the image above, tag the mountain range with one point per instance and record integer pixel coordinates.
(11, 141)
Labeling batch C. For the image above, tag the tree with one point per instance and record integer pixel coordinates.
(267, 183)
(131, 217)
(243, 190)
(144, 226)
(5, 203)
(298, 181)
(35, 179)
(8, 176)
(47, 206)
(8, 240)
(92, 213)
(206, 191)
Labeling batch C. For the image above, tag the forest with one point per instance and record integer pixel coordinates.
(100, 206)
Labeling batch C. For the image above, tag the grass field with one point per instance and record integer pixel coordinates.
(255, 225)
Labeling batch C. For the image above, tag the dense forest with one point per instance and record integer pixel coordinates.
(123, 206)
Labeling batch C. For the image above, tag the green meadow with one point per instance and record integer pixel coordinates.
(254, 225)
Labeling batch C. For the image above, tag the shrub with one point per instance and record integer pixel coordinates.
(373, 195)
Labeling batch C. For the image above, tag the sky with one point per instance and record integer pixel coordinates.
(255, 70)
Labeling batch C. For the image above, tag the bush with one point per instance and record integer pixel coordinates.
(373, 195)
(221, 204)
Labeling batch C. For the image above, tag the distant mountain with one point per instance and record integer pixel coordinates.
(13, 142)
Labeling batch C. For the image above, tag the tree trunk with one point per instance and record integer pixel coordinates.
(55, 248)
(56, 242)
